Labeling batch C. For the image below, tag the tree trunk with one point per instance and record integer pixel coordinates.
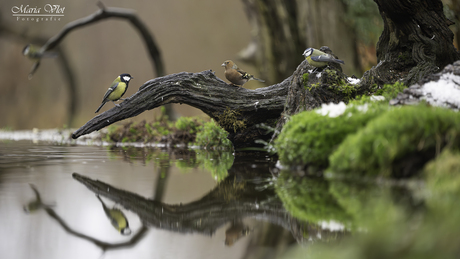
(416, 41)
(282, 30)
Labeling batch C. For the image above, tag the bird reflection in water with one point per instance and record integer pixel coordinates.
(35, 204)
(236, 231)
(117, 218)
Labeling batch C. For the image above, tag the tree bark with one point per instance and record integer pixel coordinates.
(416, 41)
(282, 30)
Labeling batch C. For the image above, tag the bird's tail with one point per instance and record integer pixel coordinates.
(338, 61)
(255, 78)
(98, 109)
(50, 54)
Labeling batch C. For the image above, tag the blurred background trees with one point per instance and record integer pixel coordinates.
(265, 38)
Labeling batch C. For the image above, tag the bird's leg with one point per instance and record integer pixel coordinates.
(116, 104)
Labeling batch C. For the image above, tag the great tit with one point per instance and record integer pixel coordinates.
(318, 58)
(36, 204)
(116, 90)
(33, 52)
(235, 75)
(117, 218)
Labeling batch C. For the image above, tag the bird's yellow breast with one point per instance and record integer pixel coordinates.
(314, 63)
(118, 219)
(118, 92)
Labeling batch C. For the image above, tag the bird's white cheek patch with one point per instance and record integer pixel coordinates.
(126, 78)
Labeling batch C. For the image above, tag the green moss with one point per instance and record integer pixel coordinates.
(212, 135)
(190, 125)
(390, 91)
(348, 91)
(443, 180)
(313, 86)
(309, 137)
(229, 120)
(397, 142)
(308, 198)
(305, 80)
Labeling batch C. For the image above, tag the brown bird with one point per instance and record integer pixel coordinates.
(237, 76)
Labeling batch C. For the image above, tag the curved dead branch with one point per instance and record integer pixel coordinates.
(106, 13)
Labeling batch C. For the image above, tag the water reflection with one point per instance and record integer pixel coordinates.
(249, 208)
(117, 218)
(35, 204)
(244, 190)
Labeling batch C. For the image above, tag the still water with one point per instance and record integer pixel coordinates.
(179, 203)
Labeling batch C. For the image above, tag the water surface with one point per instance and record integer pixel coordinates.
(170, 177)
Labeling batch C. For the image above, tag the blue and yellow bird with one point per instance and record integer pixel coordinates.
(116, 90)
(319, 59)
(117, 218)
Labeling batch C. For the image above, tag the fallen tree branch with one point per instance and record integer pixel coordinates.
(237, 110)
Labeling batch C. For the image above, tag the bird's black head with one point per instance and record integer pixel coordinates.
(308, 52)
(125, 231)
(125, 77)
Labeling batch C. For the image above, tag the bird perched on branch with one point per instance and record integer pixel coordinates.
(319, 59)
(116, 90)
(33, 52)
(237, 76)
(117, 218)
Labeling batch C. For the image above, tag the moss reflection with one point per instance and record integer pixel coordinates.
(217, 162)
(387, 226)
(309, 199)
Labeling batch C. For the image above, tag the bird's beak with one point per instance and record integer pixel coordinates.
(223, 65)
(132, 77)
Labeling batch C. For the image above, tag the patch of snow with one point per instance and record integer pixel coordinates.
(332, 110)
(445, 91)
(331, 225)
(362, 108)
(377, 98)
(353, 81)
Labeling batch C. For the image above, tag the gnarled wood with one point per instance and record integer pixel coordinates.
(416, 41)
(208, 93)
